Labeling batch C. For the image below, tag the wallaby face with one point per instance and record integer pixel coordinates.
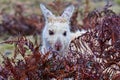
(56, 33)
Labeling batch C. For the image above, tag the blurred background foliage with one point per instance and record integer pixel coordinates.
(20, 18)
(30, 8)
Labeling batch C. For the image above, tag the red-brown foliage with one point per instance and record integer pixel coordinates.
(103, 38)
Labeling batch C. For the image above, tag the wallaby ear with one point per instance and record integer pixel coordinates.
(68, 12)
(47, 13)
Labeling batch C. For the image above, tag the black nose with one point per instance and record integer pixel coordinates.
(58, 46)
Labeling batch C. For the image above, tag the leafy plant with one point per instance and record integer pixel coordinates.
(100, 62)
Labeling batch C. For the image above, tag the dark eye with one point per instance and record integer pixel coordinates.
(51, 32)
(65, 33)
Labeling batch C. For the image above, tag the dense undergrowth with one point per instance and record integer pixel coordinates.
(103, 38)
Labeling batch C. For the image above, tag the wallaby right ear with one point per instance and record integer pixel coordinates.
(47, 13)
(68, 12)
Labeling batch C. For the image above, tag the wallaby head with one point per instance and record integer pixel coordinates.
(56, 33)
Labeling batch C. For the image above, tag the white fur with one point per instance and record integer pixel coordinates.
(58, 28)
(77, 33)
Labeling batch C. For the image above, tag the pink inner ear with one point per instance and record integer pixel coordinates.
(47, 13)
(69, 10)
(67, 14)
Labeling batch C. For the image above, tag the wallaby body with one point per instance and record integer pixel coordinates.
(56, 34)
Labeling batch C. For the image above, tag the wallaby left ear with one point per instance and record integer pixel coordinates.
(68, 12)
(47, 13)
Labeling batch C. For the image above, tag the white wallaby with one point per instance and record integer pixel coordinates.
(56, 34)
